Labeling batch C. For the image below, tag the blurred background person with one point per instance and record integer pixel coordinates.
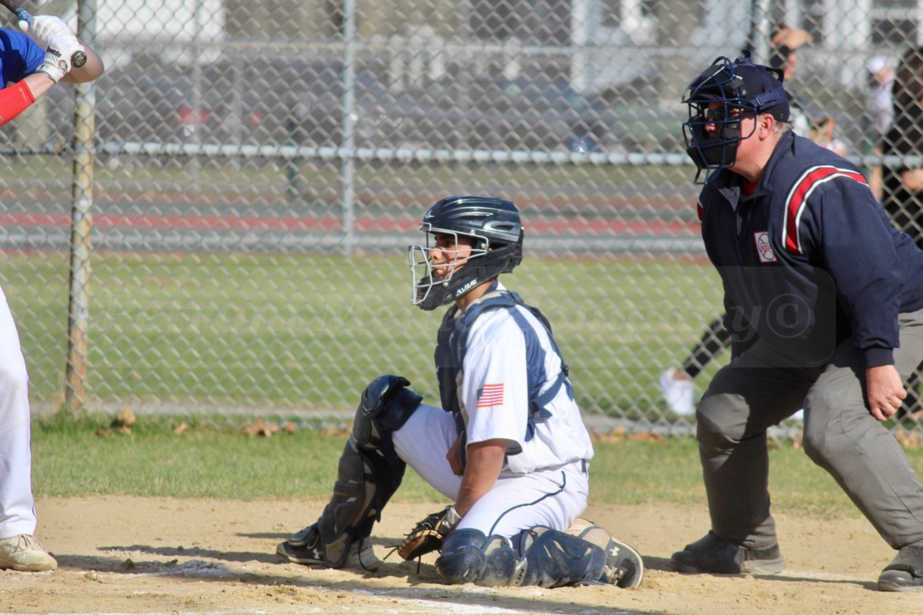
(902, 182)
(879, 113)
(783, 55)
(822, 132)
(878, 104)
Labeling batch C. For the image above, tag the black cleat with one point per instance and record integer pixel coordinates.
(305, 548)
(714, 554)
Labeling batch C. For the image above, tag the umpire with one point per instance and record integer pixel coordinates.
(825, 304)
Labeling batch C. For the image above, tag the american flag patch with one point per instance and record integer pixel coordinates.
(491, 395)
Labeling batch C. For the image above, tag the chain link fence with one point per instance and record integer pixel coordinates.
(219, 224)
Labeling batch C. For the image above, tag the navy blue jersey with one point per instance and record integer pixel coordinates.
(19, 56)
(809, 258)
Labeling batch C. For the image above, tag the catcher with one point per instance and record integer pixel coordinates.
(510, 450)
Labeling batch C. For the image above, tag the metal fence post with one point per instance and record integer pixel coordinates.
(760, 31)
(348, 165)
(75, 394)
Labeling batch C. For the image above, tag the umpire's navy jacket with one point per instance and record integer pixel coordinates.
(809, 258)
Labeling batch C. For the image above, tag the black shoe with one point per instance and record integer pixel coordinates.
(309, 536)
(301, 554)
(304, 547)
(361, 555)
(715, 554)
(904, 573)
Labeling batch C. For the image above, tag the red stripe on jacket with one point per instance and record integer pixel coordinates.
(798, 198)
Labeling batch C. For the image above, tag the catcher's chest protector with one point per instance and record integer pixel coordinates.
(451, 347)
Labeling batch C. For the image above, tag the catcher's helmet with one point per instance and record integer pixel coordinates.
(726, 91)
(496, 246)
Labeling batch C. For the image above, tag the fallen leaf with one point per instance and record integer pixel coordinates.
(259, 428)
(647, 436)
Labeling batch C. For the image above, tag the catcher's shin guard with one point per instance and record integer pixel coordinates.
(555, 559)
(503, 564)
(468, 556)
(368, 474)
(547, 558)
(462, 559)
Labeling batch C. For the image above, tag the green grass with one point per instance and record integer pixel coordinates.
(309, 331)
(69, 459)
(635, 472)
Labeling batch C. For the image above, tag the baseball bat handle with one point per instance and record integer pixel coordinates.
(78, 58)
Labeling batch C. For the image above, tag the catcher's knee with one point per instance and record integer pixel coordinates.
(503, 565)
(462, 557)
(385, 405)
(554, 559)
(468, 556)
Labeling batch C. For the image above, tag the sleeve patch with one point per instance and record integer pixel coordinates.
(491, 395)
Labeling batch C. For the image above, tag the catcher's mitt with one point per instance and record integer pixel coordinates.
(429, 533)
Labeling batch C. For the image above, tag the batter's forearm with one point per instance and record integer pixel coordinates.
(16, 98)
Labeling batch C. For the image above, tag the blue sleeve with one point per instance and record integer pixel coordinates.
(848, 233)
(19, 56)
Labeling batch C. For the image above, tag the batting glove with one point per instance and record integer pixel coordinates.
(56, 65)
(65, 43)
(58, 41)
(43, 28)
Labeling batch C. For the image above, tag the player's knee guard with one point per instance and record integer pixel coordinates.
(385, 406)
(503, 565)
(368, 474)
(468, 556)
(554, 559)
(461, 559)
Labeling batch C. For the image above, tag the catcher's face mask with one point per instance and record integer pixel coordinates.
(436, 267)
(718, 99)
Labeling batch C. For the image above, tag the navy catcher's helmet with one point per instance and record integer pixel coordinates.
(496, 246)
(726, 91)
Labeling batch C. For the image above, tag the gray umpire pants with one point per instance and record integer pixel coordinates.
(840, 435)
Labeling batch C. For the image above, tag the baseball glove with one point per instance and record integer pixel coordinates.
(429, 533)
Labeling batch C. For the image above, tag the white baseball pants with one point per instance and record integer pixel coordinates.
(549, 497)
(17, 508)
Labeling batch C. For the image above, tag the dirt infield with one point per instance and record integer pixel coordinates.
(154, 555)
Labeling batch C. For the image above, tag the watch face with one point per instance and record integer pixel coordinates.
(78, 59)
